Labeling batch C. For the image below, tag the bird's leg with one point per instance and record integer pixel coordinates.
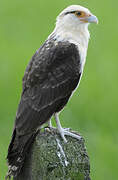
(49, 127)
(59, 127)
(63, 131)
(49, 123)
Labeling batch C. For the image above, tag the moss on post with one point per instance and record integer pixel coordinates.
(52, 159)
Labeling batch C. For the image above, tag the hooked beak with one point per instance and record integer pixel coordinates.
(90, 19)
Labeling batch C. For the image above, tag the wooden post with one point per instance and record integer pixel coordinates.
(52, 159)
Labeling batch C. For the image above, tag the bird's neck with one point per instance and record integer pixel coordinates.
(76, 35)
(80, 35)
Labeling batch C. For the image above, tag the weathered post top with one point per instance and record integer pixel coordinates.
(52, 159)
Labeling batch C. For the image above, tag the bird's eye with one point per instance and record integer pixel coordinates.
(78, 13)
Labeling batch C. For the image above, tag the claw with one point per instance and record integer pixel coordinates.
(65, 131)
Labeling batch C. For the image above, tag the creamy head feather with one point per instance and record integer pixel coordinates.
(71, 27)
(73, 8)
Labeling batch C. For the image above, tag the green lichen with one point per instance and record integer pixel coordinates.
(52, 159)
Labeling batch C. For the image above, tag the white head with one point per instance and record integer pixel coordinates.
(72, 25)
(74, 19)
(75, 16)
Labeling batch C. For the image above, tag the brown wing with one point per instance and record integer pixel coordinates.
(51, 76)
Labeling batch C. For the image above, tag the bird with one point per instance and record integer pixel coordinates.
(50, 79)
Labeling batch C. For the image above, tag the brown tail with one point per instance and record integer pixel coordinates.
(17, 151)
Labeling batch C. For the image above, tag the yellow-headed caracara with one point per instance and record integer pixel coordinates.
(50, 78)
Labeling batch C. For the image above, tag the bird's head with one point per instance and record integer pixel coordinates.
(76, 16)
(72, 25)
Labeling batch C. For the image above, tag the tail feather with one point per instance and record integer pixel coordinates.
(17, 152)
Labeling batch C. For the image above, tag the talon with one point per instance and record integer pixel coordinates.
(65, 131)
(72, 135)
(63, 135)
(47, 129)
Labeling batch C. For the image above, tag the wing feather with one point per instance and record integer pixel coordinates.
(51, 76)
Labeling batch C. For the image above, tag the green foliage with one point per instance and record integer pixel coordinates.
(93, 109)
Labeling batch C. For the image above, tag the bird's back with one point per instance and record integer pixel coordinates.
(50, 78)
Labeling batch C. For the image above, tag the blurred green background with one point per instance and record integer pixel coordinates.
(93, 109)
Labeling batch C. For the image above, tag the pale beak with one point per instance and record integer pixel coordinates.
(90, 19)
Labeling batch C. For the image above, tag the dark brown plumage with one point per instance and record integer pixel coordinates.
(50, 78)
